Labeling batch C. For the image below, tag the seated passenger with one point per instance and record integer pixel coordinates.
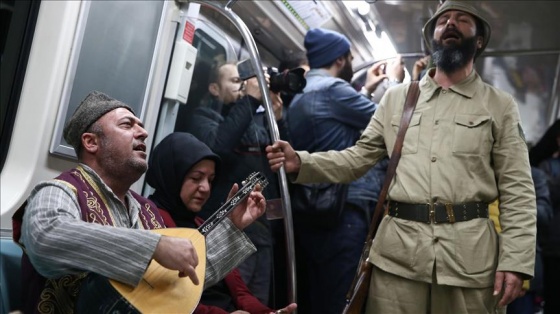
(181, 170)
(86, 225)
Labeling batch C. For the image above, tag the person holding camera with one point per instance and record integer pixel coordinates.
(330, 115)
(233, 124)
(293, 60)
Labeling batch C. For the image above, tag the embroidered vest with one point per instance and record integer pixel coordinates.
(42, 295)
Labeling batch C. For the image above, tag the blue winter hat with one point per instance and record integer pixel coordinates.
(324, 46)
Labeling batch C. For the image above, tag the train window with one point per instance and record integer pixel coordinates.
(17, 25)
(213, 48)
(530, 80)
(209, 50)
(209, 53)
(113, 53)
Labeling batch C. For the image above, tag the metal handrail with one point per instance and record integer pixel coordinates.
(274, 133)
(487, 53)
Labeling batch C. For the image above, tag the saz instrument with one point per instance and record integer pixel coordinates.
(162, 290)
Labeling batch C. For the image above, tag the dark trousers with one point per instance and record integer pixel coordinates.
(327, 261)
(97, 295)
(551, 284)
(522, 305)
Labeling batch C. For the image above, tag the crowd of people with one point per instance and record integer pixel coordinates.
(470, 217)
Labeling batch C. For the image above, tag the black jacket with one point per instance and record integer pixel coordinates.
(238, 133)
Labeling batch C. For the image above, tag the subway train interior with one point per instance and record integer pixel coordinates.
(156, 56)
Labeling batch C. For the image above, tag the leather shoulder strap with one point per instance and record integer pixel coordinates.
(409, 106)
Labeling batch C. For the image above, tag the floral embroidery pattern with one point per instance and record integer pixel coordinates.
(96, 213)
(55, 295)
(152, 222)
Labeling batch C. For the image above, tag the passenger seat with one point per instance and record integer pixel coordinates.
(10, 276)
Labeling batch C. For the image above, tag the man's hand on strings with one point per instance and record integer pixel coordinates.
(177, 254)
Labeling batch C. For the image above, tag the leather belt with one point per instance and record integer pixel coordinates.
(438, 212)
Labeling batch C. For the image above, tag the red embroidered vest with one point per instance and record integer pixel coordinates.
(42, 295)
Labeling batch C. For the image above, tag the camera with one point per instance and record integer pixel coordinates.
(290, 81)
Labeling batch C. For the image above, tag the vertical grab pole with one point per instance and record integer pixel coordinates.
(554, 107)
(274, 133)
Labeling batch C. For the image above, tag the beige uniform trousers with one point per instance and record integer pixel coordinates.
(391, 294)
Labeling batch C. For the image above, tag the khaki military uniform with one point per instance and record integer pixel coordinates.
(464, 144)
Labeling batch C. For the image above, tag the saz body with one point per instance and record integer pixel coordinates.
(161, 289)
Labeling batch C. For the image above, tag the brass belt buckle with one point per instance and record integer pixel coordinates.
(450, 213)
(432, 213)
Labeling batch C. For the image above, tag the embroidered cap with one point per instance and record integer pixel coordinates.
(94, 106)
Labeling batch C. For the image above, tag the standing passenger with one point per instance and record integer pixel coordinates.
(547, 155)
(234, 126)
(436, 251)
(533, 289)
(331, 114)
(86, 225)
(292, 61)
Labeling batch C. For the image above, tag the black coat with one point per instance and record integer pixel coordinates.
(238, 133)
(551, 239)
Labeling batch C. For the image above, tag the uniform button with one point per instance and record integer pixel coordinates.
(434, 159)
(437, 122)
(445, 92)
(436, 239)
(471, 123)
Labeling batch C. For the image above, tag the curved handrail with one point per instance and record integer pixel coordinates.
(274, 133)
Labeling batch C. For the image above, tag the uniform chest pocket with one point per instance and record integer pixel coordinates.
(472, 134)
(412, 135)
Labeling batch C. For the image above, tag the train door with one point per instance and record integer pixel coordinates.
(192, 103)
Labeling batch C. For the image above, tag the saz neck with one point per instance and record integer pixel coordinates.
(225, 209)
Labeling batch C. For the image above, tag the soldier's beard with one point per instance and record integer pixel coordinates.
(455, 56)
